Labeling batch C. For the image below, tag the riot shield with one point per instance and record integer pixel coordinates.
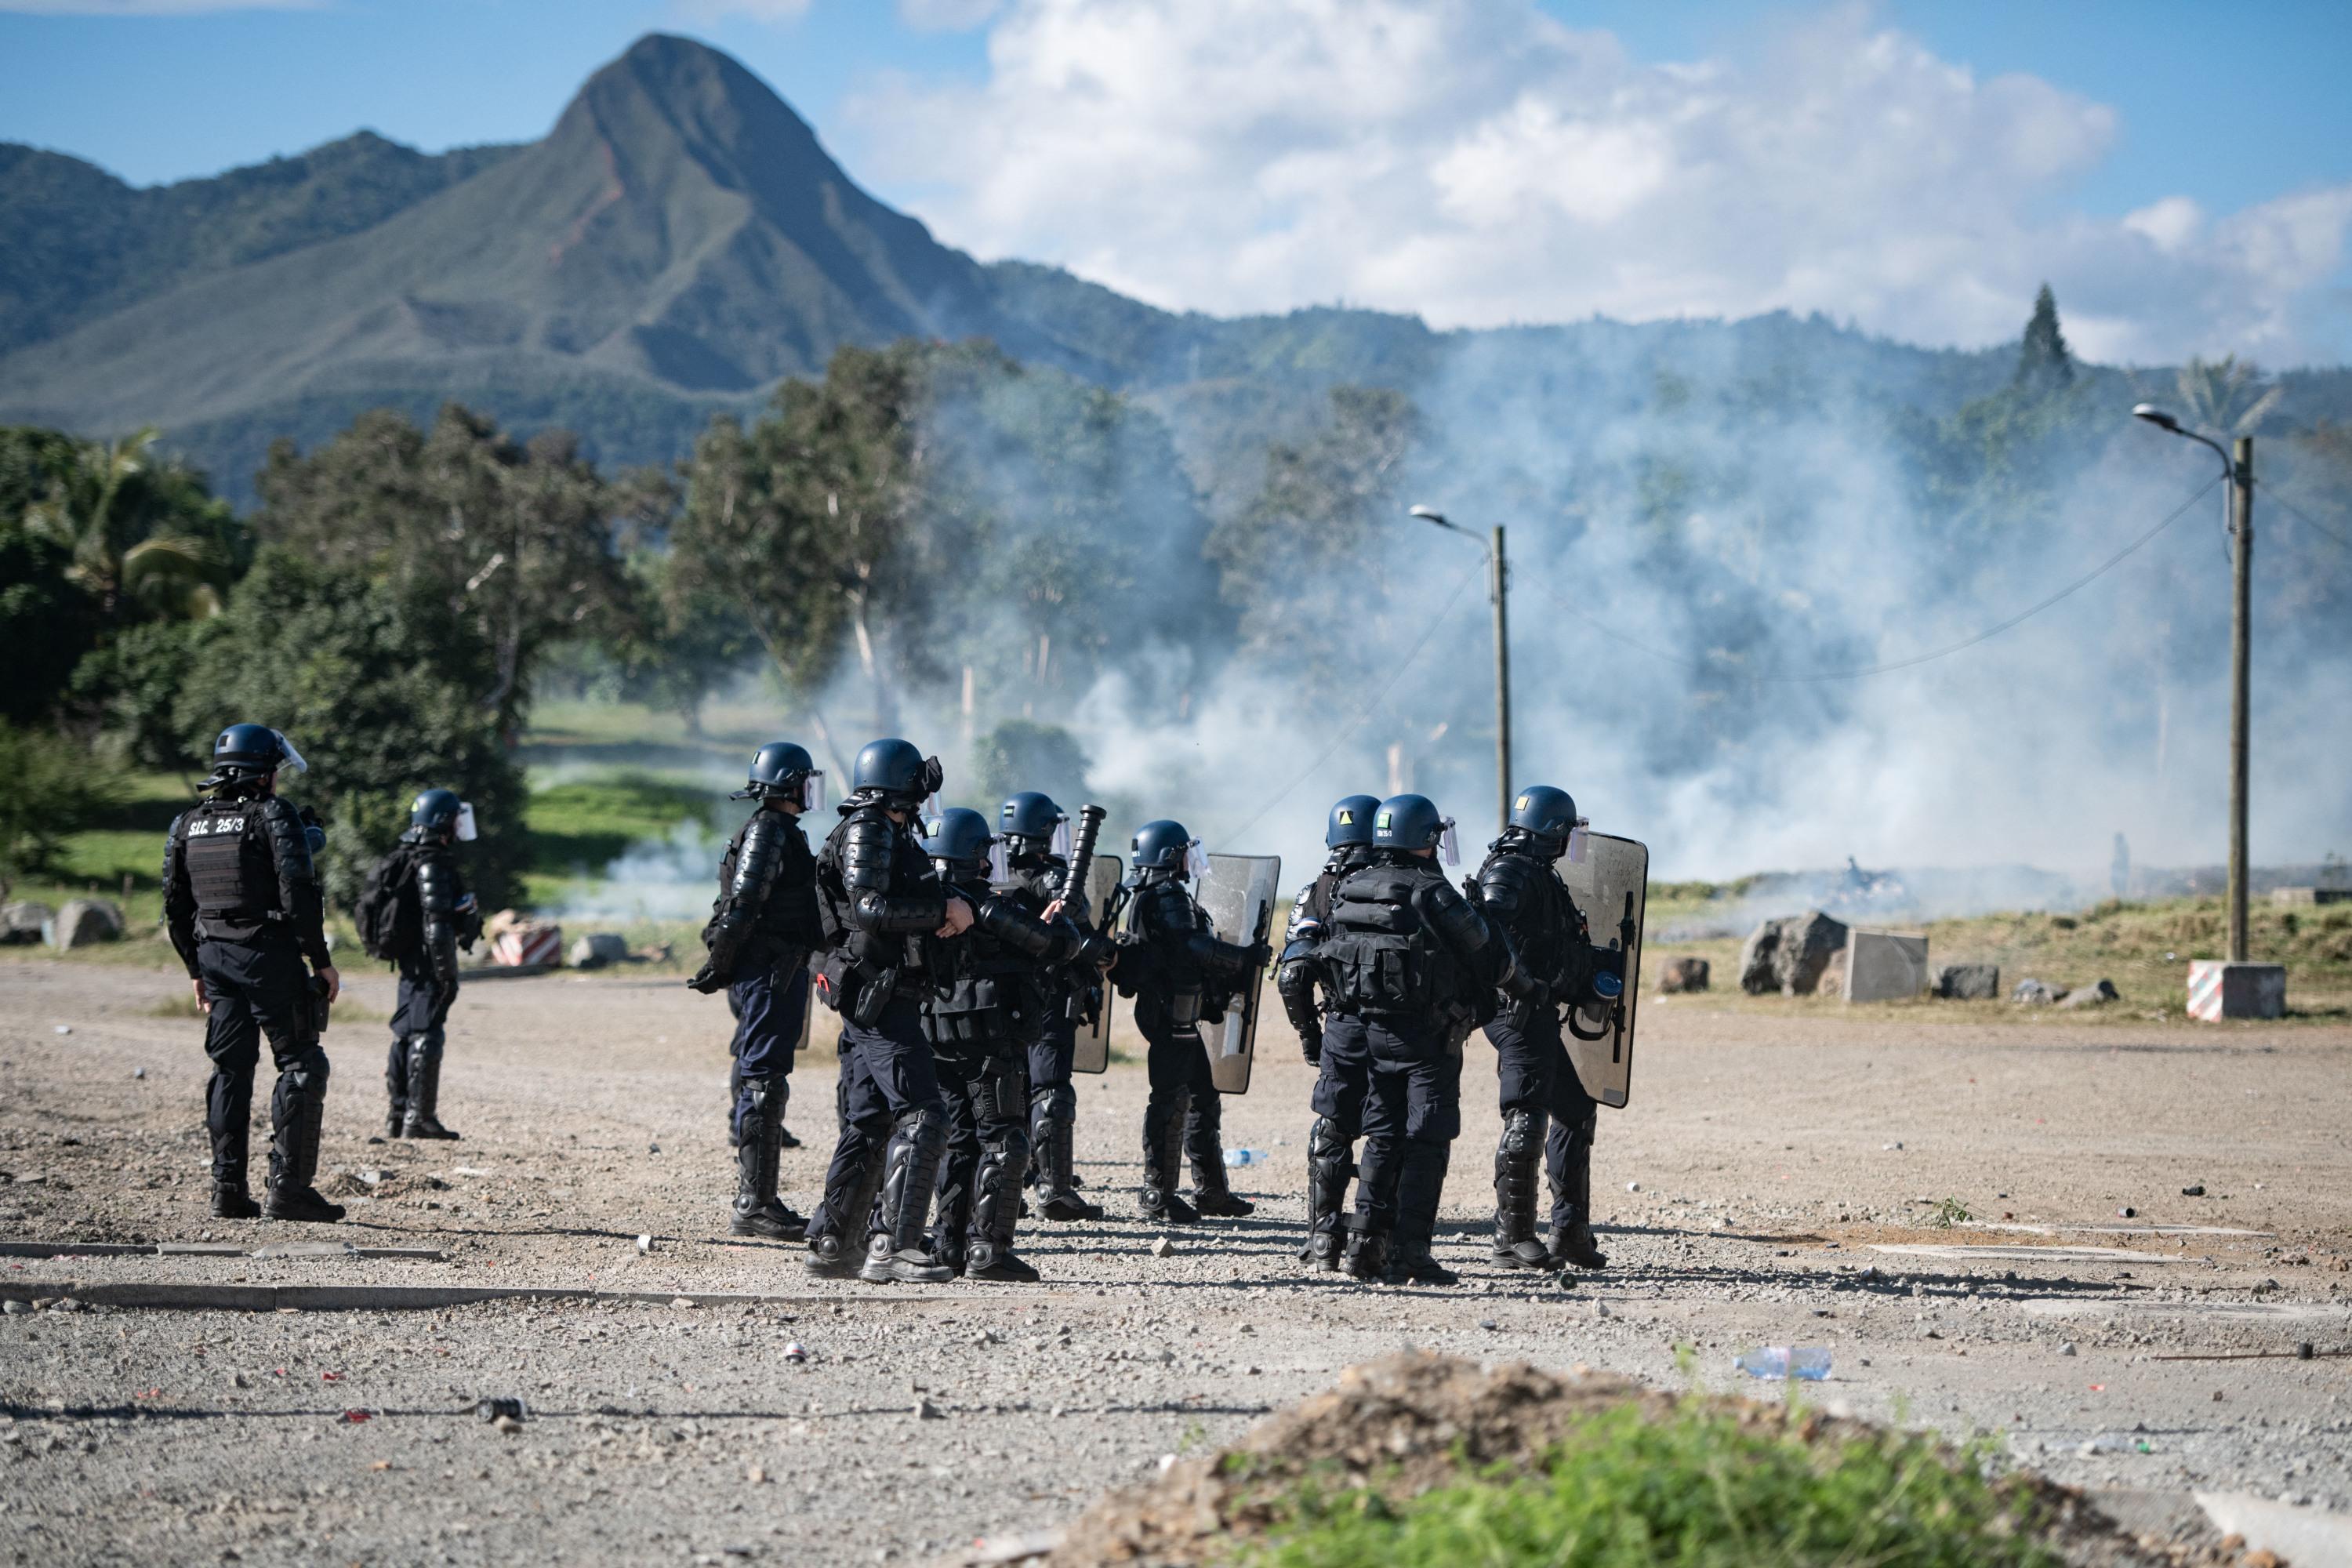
(1238, 895)
(1611, 885)
(1093, 1053)
(808, 1007)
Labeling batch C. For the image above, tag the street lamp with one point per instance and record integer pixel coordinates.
(2238, 468)
(1499, 583)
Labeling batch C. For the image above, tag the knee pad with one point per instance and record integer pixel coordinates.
(926, 1128)
(1523, 1133)
(767, 1093)
(1326, 1141)
(307, 1076)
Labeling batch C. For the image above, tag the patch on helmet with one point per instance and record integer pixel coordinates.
(1386, 821)
(1521, 803)
(1348, 818)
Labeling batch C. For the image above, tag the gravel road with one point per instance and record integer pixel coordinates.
(1940, 1203)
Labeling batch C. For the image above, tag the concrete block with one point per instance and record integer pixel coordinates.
(83, 922)
(1968, 982)
(1881, 966)
(2218, 989)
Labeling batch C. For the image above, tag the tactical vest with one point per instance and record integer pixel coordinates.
(982, 992)
(1164, 915)
(790, 918)
(845, 943)
(230, 871)
(1380, 958)
(1526, 896)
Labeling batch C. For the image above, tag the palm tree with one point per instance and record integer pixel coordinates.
(139, 527)
(2226, 395)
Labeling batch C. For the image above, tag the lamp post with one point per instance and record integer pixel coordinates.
(1498, 587)
(2239, 470)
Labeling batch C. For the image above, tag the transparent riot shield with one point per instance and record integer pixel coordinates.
(808, 1007)
(1092, 1054)
(1611, 885)
(1238, 895)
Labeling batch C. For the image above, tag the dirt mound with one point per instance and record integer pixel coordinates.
(1412, 1421)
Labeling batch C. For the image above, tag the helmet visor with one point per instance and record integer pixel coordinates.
(466, 831)
(1576, 840)
(1196, 860)
(1061, 845)
(1000, 867)
(293, 762)
(1449, 842)
(813, 790)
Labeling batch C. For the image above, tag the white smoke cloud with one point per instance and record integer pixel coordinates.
(1475, 163)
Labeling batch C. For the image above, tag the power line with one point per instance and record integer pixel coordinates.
(2302, 516)
(1704, 667)
(1366, 711)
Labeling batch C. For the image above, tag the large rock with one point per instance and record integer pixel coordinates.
(1681, 975)
(1832, 980)
(2097, 996)
(1968, 982)
(85, 922)
(598, 949)
(21, 922)
(2031, 992)
(1788, 954)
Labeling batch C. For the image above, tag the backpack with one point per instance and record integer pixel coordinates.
(390, 918)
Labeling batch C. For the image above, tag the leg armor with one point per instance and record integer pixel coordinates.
(1421, 1182)
(1053, 1140)
(910, 1175)
(758, 1211)
(424, 1088)
(1570, 1163)
(1515, 1158)
(1164, 1158)
(1330, 1161)
(298, 1111)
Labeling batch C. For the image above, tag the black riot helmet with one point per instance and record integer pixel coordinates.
(1165, 845)
(440, 811)
(896, 771)
(781, 771)
(959, 840)
(1545, 815)
(1350, 822)
(1411, 822)
(244, 751)
(1031, 820)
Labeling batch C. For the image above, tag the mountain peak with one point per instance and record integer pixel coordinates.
(704, 94)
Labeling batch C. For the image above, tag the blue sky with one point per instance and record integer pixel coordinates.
(2215, 112)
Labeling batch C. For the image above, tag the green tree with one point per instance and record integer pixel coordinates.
(2043, 363)
(141, 529)
(379, 684)
(515, 538)
(53, 791)
(2225, 396)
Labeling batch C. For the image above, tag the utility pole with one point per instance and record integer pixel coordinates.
(2241, 574)
(1503, 681)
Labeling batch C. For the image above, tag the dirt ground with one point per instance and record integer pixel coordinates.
(1940, 1203)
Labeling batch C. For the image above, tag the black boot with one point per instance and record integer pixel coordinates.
(424, 1092)
(1053, 1146)
(296, 1112)
(231, 1200)
(1516, 1158)
(1421, 1182)
(395, 1086)
(757, 1211)
(899, 1250)
(1330, 1161)
(1213, 1191)
(1367, 1255)
(996, 1203)
(839, 1250)
(232, 1146)
(1573, 1244)
(1163, 1161)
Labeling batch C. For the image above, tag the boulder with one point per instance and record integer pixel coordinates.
(596, 950)
(2097, 996)
(1788, 954)
(2032, 993)
(1681, 975)
(21, 922)
(1968, 982)
(85, 922)
(1832, 980)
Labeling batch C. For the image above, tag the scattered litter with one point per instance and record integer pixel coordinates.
(2066, 1348)
(138, 1072)
(927, 1411)
(794, 1352)
(469, 1171)
(644, 1245)
(354, 1418)
(1632, 1186)
(683, 1303)
(2128, 1212)
(1809, 1363)
(2116, 1443)
(496, 1408)
(1161, 1246)
(1239, 1157)
(2195, 1191)
(506, 1425)
(65, 1029)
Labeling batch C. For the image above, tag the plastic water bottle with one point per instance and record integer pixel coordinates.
(1809, 1363)
(1236, 1158)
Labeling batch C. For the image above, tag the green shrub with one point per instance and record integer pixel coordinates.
(53, 790)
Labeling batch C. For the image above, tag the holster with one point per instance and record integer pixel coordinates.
(874, 993)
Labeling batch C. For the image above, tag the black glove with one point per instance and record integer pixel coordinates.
(707, 979)
(1261, 955)
(1097, 950)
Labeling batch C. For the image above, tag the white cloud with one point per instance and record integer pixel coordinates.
(1477, 162)
(945, 15)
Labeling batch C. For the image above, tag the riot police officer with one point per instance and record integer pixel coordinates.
(990, 990)
(883, 909)
(1332, 1040)
(242, 903)
(1419, 965)
(1172, 965)
(445, 918)
(1032, 829)
(763, 926)
(1525, 895)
